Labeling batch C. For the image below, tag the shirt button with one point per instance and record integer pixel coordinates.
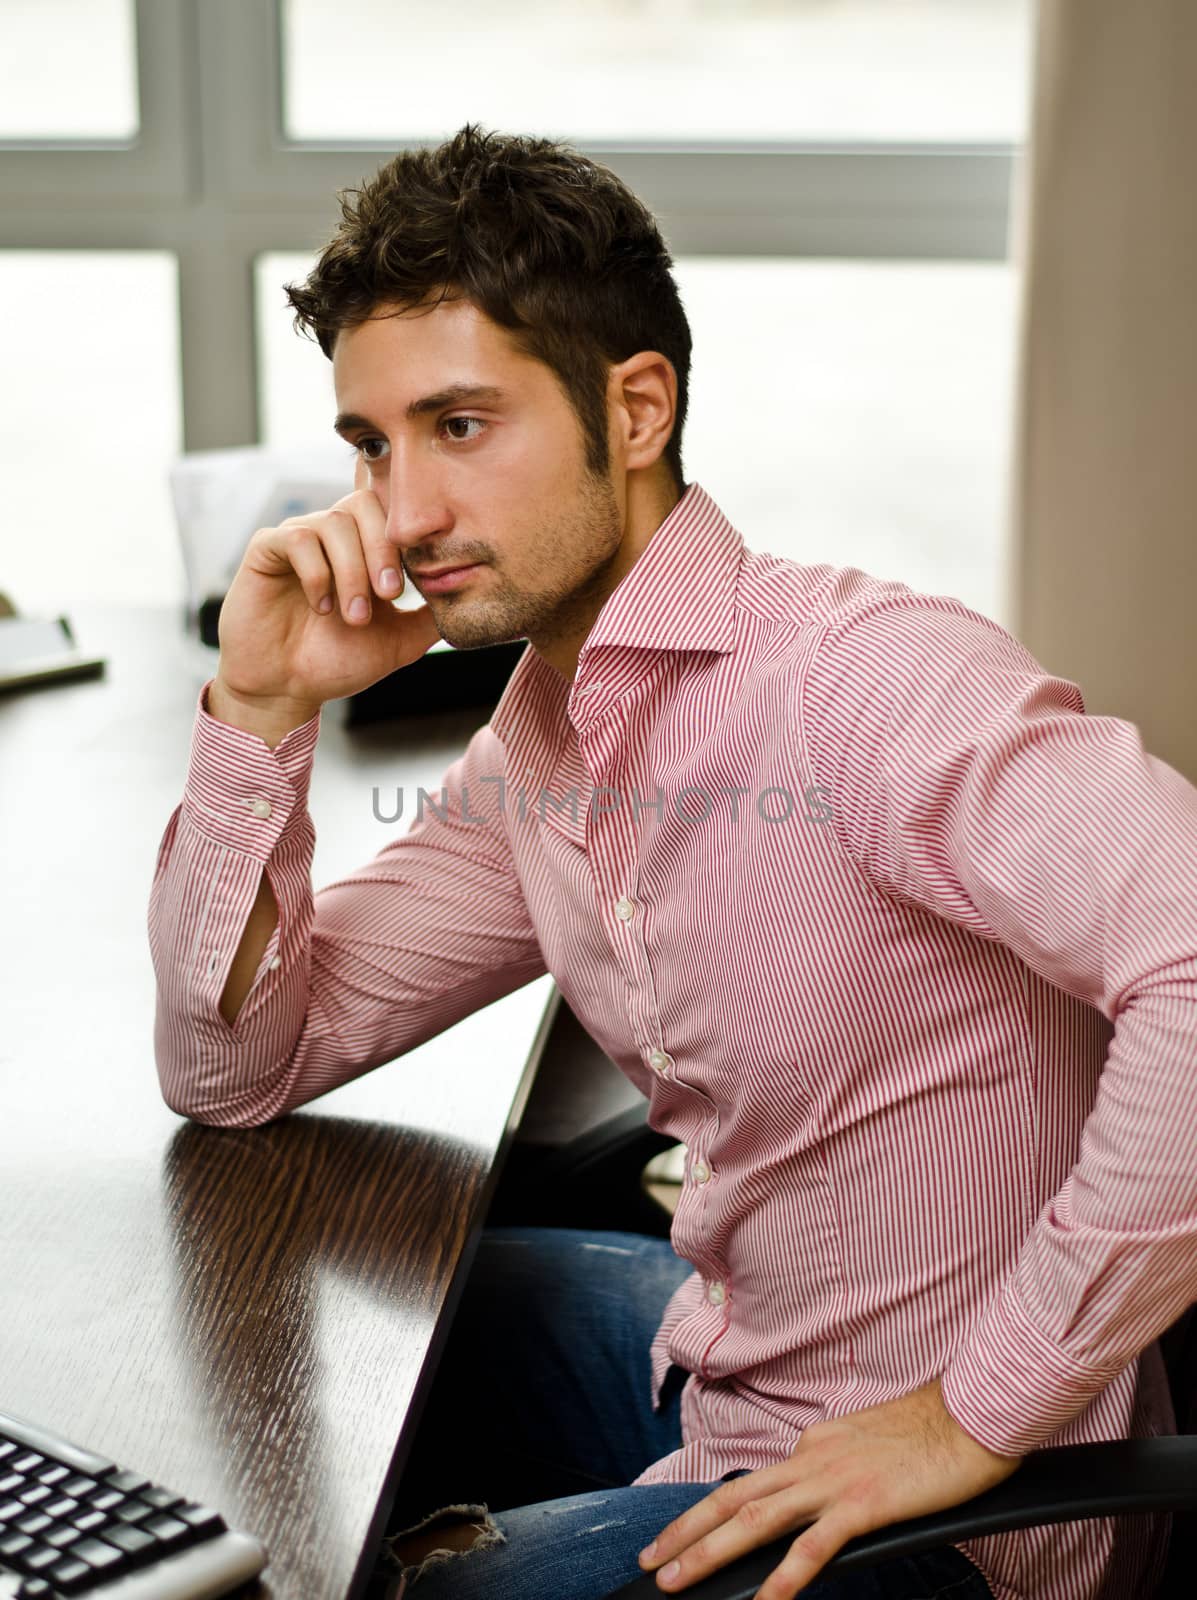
(660, 1061)
(700, 1172)
(260, 808)
(625, 909)
(276, 963)
(716, 1293)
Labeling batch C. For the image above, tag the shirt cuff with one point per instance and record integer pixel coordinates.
(239, 792)
(1010, 1387)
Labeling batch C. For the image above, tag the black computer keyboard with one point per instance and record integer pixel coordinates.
(73, 1523)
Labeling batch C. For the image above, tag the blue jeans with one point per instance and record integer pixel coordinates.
(539, 1418)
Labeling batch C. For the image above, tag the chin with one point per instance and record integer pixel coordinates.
(477, 638)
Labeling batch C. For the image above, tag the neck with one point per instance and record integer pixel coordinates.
(646, 507)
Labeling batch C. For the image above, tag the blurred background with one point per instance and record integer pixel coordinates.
(904, 232)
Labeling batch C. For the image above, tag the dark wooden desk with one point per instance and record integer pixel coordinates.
(252, 1317)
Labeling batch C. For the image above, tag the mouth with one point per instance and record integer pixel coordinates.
(444, 578)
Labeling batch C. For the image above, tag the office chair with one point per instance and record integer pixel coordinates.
(591, 1179)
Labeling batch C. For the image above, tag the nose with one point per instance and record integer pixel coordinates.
(417, 512)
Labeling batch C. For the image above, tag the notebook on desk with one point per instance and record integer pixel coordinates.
(40, 650)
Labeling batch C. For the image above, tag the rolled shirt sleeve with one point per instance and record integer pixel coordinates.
(966, 779)
(365, 969)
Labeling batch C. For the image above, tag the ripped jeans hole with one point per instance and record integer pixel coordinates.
(487, 1536)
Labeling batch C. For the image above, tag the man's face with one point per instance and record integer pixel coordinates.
(500, 481)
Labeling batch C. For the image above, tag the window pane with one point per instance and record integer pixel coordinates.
(296, 401)
(90, 418)
(875, 434)
(728, 70)
(68, 69)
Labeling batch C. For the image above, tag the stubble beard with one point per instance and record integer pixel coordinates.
(570, 599)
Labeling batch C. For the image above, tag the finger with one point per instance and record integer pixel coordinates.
(810, 1553)
(364, 506)
(298, 550)
(714, 1509)
(340, 534)
(756, 1523)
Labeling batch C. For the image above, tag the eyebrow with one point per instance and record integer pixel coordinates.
(455, 394)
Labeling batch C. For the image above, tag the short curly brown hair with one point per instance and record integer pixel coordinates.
(549, 245)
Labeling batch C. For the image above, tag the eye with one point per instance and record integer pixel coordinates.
(363, 446)
(449, 421)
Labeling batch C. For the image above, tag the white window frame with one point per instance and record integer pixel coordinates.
(211, 177)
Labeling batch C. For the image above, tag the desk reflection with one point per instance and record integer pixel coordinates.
(310, 1258)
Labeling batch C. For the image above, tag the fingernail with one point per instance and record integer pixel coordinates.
(669, 1573)
(358, 609)
(390, 578)
(649, 1551)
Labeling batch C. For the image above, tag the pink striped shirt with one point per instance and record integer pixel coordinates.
(897, 940)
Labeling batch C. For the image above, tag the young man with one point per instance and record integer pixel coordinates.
(894, 938)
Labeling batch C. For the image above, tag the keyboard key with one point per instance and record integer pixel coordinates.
(63, 1535)
(133, 1511)
(96, 1553)
(106, 1499)
(35, 1589)
(169, 1531)
(162, 1498)
(12, 1480)
(203, 1519)
(54, 1474)
(34, 1522)
(70, 1576)
(133, 1541)
(90, 1520)
(13, 1543)
(128, 1482)
(11, 1509)
(40, 1557)
(61, 1507)
(80, 1487)
(32, 1497)
(28, 1461)
(7, 1449)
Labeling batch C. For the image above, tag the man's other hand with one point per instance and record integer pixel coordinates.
(846, 1476)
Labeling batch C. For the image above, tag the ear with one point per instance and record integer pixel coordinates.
(643, 392)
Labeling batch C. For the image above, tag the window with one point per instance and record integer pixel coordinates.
(296, 399)
(68, 70)
(710, 70)
(90, 419)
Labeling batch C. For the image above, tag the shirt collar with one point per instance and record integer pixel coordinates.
(678, 595)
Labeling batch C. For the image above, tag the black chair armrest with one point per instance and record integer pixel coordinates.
(1063, 1484)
